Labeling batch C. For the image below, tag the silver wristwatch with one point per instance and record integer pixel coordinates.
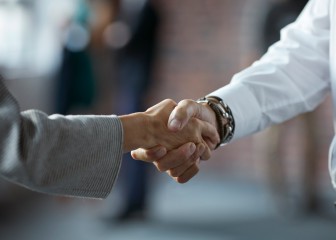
(224, 117)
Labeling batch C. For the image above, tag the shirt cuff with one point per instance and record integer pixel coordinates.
(244, 107)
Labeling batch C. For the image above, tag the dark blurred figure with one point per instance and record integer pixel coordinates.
(280, 14)
(76, 84)
(134, 40)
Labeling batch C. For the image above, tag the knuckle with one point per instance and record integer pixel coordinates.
(195, 123)
(186, 102)
(151, 155)
(170, 101)
(173, 173)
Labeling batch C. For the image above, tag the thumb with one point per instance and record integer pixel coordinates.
(182, 113)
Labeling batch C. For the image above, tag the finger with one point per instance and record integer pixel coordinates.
(149, 155)
(179, 170)
(210, 134)
(188, 174)
(181, 114)
(199, 151)
(175, 157)
(202, 152)
(206, 153)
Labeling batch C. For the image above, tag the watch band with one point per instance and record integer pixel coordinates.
(224, 117)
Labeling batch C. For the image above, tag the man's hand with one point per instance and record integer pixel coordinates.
(195, 130)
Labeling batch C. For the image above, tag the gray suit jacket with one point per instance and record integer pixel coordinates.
(65, 155)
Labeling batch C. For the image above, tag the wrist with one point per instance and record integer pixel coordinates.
(210, 115)
(135, 133)
(223, 116)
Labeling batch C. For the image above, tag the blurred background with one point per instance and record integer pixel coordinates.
(121, 56)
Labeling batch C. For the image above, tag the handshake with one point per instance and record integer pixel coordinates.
(174, 137)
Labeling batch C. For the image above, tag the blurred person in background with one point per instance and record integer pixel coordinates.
(76, 83)
(80, 155)
(294, 76)
(133, 41)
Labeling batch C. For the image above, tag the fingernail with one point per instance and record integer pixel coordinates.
(134, 155)
(175, 124)
(192, 148)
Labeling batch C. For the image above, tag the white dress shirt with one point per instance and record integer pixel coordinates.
(293, 77)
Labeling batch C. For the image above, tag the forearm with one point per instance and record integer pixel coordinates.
(291, 78)
(73, 155)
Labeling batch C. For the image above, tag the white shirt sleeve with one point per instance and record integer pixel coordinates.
(291, 78)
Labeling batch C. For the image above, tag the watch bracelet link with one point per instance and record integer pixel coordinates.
(219, 120)
(223, 114)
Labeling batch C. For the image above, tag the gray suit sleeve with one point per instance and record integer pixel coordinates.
(63, 155)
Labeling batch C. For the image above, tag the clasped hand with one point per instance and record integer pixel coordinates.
(174, 137)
